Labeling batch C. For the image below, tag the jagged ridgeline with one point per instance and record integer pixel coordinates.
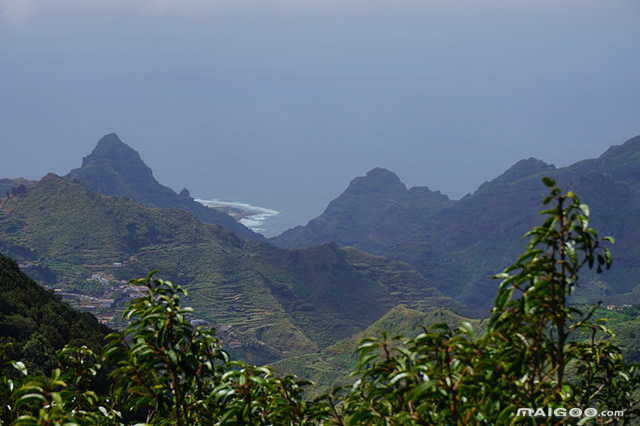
(458, 245)
(173, 374)
(275, 303)
(36, 324)
(114, 168)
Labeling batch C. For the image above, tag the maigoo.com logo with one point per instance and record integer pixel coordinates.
(567, 412)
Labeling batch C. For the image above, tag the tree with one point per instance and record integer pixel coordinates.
(538, 352)
(164, 371)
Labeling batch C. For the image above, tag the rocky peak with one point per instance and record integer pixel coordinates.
(114, 168)
(378, 181)
(520, 170)
(111, 150)
(112, 154)
(528, 167)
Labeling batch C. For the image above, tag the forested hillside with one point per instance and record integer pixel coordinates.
(271, 303)
(35, 324)
(537, 359)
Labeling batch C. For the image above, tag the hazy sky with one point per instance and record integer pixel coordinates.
(281, 103)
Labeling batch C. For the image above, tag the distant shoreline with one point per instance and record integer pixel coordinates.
(253, 217)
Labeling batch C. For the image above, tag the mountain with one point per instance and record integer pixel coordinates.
(114, 168)
(268, 302)
(367, 213)
(458, 245)
(37, 324)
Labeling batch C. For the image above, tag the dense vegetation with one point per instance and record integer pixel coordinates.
(537, 352)
(10, 187)
(278, 303)
(35, 324)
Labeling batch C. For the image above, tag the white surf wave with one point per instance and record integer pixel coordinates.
(255, 216)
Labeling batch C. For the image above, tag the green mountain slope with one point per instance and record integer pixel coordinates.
(36, 323)
(331, 366)
(271, 303)
(458, 245)
(113, 168)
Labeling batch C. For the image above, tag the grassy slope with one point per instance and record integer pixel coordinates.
(280, 303)
(332, 366)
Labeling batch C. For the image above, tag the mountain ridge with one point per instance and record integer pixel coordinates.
(114, 168)
(346, 222)
(458, 245)
(67, 233)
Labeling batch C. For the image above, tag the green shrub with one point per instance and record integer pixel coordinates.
(528, 357)
(537, 352)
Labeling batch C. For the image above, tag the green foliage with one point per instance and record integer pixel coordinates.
(537, 352)
(277, 303)
(163, 363)
(166, 371)
(530, 356)
(332, 366)
(35, 324)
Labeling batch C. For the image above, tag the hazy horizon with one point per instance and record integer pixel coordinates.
(280, 104)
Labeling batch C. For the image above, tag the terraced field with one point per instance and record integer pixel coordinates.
(274, 303)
